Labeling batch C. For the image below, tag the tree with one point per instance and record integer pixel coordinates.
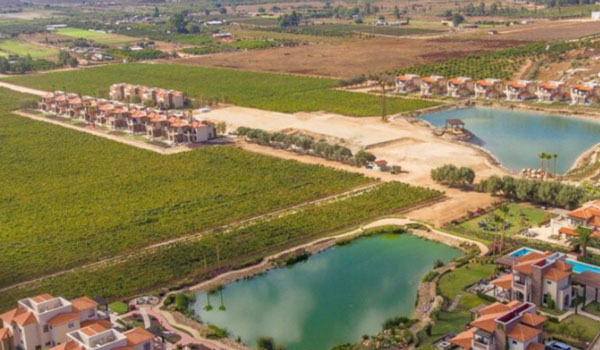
(581, 240)
(363, 158)
(541, 156)
(177, 22)
(555, 156)
(397, 12)
(265, 343)
(156, 13)
(221, 127)
(383, 80)
(261, 10)
(457, 19)
(504, 210)
(291, 20)
(222, 10)
(493, 184)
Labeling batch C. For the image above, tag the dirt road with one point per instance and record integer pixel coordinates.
(22, 89)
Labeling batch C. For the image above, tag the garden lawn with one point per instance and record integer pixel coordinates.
(69, 198)
(99, 37)
(450, 285)
(275, 92)
(576, 329)
(520, 216)
(119, 307)
(188, 261)
(21, 48)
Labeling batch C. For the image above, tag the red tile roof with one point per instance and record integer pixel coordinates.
(63, 318)
(92, 329)
(42, 297)
(83, 303)
(137, 336)
(5, 333)
(464, 339)
(532, 320)
(555, 274)
(523, 333)
(25, 319)
(68, 345)
(504, 282)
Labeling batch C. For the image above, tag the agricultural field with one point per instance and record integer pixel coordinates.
(191, 259)
(349, 30)
(275, 92)
(96, 36)
(501, 64)
(21, 48)
(69, 198)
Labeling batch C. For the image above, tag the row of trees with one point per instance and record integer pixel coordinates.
(543, 156)
(305, 143)
(453, 176)
(24, 64)
(550, 193)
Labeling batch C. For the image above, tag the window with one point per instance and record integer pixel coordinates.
(46, 328)
(514, 342)
(70, 325)
(548, 282)
(92, 313)
(147, 346)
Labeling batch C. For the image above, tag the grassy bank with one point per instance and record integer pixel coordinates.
(70, 198)
(274, 92)
(192, 260)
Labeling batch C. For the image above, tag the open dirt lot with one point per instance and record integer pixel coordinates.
(352, 57)
(412, 146)
(545, 30)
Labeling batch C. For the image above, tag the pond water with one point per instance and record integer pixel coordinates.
(334, 297)
(517, 137)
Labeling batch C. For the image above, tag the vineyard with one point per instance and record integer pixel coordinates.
(186, 261)
(69, 198)
(348, 30)
(499, 64)
(276, 92)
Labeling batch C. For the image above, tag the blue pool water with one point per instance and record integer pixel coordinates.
(517, 137)
(521, 252)
(579, 267)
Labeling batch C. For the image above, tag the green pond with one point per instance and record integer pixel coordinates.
(334, 297)
(517, 137)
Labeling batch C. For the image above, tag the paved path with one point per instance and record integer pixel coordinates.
(22, 89)
(144, 313)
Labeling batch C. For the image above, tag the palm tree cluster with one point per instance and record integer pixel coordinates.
(545, 159)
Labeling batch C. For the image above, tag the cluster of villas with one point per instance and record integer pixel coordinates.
(515, 91)
(173, 126)
(55, 323)
(155, 97)
(532, 279)
(588, 216)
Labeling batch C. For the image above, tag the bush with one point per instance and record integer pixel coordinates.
(453, 176)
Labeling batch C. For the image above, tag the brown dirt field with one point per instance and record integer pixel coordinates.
(546, 30)
(351, 57)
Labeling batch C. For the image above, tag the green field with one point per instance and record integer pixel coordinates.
(575, 330)
(68, 197)
(275, 92)
(186, 261)
(21, 48)
(99, 37)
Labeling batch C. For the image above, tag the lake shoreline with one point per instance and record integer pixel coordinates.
(324, 244)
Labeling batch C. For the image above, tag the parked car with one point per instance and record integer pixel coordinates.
(556, 345)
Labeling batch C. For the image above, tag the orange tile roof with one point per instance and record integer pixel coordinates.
(404, 78)
(431, 80)
(582, 87)
(563, 266)
(548, 86)
(10, 315)
(92, 329)
(585, 213)
(68, 345)
(532, 320)
(504, 282)
(567, 231)
(533, 256)
(458, 81)
(464, 339)
(42, 297)
(523, 333)
(5, 333)
(516, 85)
(535, 346)
(487, 322)
(137, 336)
(513, 304)
(25, 318)
(484, 83)
(524, 267)
(555, 274)
(63, 318)
(101, 323)
(83, 303)
(494, 308)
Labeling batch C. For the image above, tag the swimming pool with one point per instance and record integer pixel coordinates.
(517, 137)
(579, 267)
(521, 252)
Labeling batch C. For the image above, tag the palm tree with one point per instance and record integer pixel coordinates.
(497, 220)
(504, 210)
(581, 240)
(555, 156)
(541, 156)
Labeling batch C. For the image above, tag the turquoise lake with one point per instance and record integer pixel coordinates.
(334, 297)
(517, 137)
